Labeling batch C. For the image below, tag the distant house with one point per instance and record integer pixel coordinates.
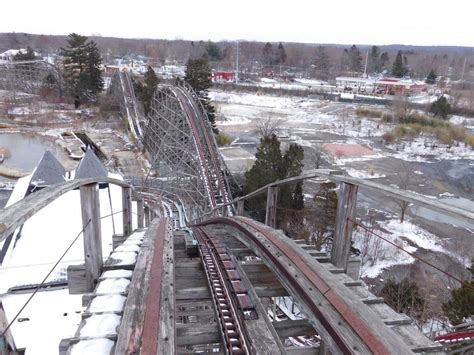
(396, 85)
(389, 86)
(346, 83)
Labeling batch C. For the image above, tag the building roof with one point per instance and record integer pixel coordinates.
(49, 171)
(90, 166)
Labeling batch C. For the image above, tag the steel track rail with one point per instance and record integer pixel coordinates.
(184, 105)
(230, 324)
(353, 321)
(200, 117)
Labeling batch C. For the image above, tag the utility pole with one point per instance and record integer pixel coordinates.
(463, 68)
(237, 64)
(365, 68)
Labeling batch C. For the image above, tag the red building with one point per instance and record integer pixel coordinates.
(223, 76)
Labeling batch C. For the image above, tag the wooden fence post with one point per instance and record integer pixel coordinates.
(240, 207)
(346, 205)
(140, 213)
(127, 210)
(92, 234)
(272, 201)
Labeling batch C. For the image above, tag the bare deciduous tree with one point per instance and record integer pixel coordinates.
(269, 125)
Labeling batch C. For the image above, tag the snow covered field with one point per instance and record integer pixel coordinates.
(378, 254)
(315, 123)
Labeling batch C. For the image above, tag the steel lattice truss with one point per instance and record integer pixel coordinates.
(30, 77)
(121, 89)
(182, 146)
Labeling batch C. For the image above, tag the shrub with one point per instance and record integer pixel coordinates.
(389, 138)
(404, 296)
(366, 112)
(387, 117)
(469, 140)
(222, 139)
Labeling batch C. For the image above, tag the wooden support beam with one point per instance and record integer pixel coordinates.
(240, 207)
(293, 328)
(263, 337)
(147, 216)
(272, 202)
(6, 340)
(131, 327)
(194, 334)
(127, 210)
(343, 233)
(303, 350)
(140, 214)
(92, 234)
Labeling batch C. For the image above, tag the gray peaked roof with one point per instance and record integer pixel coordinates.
(90, 166)
(49, 171)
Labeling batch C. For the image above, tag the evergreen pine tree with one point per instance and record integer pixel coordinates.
(28, 55)
(441, 108)
(81, 61)
(461, 304)
(198, 76)
(384, 60)
(291, 195)
(267, 54)
(325, 204)
(145, 91)
(398, 69)
(431, 78)
(355, 59)
(321, 62)
(213, 51)
(266, 169)
(374, 60)
(281, 54)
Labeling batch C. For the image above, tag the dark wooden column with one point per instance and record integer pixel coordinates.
(92, 234)
(272, 201)
(346, 205)
(127, 210)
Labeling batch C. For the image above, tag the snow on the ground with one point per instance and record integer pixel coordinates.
(378, 254)
(268, 101)
(99, 325)
(363, 174)
(422, 149)
(233, 120)
(303, 116)
(461, 120)
(434, 326)
(95, 346)
(19, 111)
(423, 98)
(49, 317)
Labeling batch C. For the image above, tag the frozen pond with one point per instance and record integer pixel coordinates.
(26, 150)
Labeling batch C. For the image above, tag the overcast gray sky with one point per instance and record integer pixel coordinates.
(415, 22)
